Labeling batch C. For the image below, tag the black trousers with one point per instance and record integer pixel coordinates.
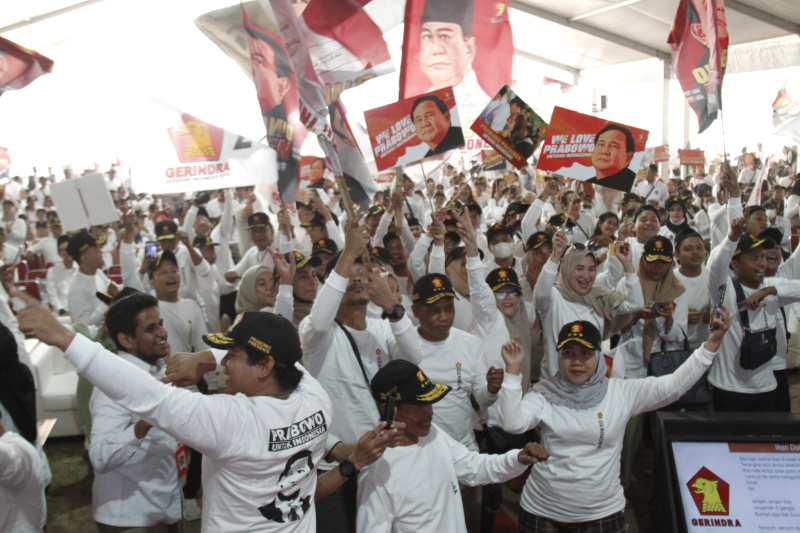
(738, 402)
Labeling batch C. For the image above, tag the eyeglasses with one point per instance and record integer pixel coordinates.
(582, 247)
(502, 295)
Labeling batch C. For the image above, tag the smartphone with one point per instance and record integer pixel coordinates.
(388, 414)
(717, 304)
(151, 249)
(659, 305)
(624, 248)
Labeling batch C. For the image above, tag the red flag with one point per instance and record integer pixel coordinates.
(698, 66)
(466, 44)
(19, 66)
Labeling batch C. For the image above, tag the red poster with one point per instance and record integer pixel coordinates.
(415, 128)
(312, 172)
(699, 76)
(511, 127)
(592, 149)
(492, 160)
(466, 44)
(19, 66)
(661, 153)
(692, 158)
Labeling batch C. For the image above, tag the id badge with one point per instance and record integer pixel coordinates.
(181, 461)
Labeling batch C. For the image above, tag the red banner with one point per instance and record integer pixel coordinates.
(592, 149)
(661, 153)
(19, 66)
(5, 159)
(466, 44)
(511, 127)
(415, 128)
(692, 158)
(698, 66)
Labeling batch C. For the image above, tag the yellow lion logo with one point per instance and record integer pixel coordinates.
(712, 503)
(502, 274)
(201, 139)
(576, 328)
(437, 283)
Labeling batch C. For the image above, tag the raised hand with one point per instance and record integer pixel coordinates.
(513, 354)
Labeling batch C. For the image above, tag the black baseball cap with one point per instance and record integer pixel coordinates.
(324, 246)
(630, 197)
(376, 209)
(582, 332)
(79, 243)
(494, 229)
(773, 234)
(412, 220)
(474, 207)
(203, 240)
(457, 253)
(516, 208)
(263, 332)
(538, 240)
(166, 229)
(453, 236)
(413, 386)
(644, 208)
(672, 200)
(431, 288)
(108, 299)
(658, 248)
(684, 234)
(381, 254)
(560, 220)
(503, 277)
(316, 220)
(748, 242)
(300, 260)
(258, 220)
(166, 255)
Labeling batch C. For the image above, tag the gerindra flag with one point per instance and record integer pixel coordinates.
(19, 66)
(466, 44)
(699, 41)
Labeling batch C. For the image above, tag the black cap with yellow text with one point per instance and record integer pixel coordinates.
(582, 332)
(431, 288)
(413, 386)
(166, 229)
(503, 277)
(658, 248)
(263, 332)
(258, 220)
(537, 240)
(749, 242)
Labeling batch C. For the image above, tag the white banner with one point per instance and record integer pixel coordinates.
(184, 153)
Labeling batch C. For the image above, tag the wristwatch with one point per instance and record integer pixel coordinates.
(348, 469)
(398, 312)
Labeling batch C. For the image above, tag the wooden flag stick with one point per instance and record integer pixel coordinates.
(351, 215)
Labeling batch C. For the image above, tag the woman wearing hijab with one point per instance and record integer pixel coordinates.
(256, 290)
(677, 220)
(582, 415)
(576, 291)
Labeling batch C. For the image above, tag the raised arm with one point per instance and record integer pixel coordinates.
(542, 292)
(518, 413)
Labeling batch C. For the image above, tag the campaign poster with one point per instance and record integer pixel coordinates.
(466, 44)
(661, 153)
(511, 127)
(19, 65)
(185, 153)
(415, 128)
(649, 154)
(692, 158)
(592, 149)
(492, 160)
(699, 55)
(313, 170)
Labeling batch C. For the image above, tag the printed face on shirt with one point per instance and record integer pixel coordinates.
(582, 278)
(445, 54)
(610, 155)
(577, 362)
(149, 342)
(297, 469)
(430, 123)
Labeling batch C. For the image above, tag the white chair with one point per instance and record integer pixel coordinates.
(56, 395)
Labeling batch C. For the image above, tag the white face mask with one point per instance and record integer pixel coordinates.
(771, 213)
(502, 250)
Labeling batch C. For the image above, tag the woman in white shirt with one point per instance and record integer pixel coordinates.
(257, 289)
(582, 415)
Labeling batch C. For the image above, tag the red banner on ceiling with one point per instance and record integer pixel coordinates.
(699, 41)
(19, 66)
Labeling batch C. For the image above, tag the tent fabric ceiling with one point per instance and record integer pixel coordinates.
(573, 35)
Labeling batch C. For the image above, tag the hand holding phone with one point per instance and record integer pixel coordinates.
(151, 250)
(717, 304)
(388, 414)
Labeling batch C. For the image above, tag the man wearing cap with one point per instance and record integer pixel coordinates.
(59, 278)
(323, 249)
(652, 190)
(261, 233)
(447, 50)
(46, 244)
(136, 482)
(455, 358)
(415, 486)
(247, 471)
(169, 239)
(344, 348)
(304, 285)
(690, 253)
(373, 219)
(84, 306)
(778, 222)
(503, 246)
(747, 384)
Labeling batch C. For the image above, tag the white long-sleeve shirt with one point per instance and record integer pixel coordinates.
(726, 372)
(328, 356)
(414, 489)
(22, 503)
(247, 442)
(580, 480)
(57, 283)
(136, 481)
(555, 310)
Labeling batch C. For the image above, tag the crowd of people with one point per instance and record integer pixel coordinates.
(390, 369)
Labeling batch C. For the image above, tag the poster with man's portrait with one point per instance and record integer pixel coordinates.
(511, 127)
(466, 44)
(414, 129)
(592, 149)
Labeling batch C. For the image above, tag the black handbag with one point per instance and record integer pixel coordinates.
(758, 347)
(666, 362)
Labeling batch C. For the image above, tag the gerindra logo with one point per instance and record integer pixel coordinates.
(195, 140)
(710, 493)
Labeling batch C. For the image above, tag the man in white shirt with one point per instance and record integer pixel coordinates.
(262, 234)
(690, 253)
(47, 245)
(84, 307)
(414, 487)
(16, 228)
(168, 239)
(268, 390)
(59, 278)
(136, 465)
(652, 189)
(22, 482)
